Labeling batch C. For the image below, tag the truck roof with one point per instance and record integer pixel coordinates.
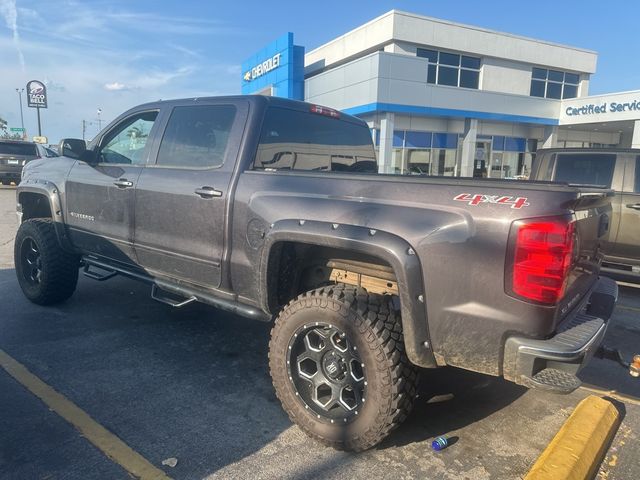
(261, 101)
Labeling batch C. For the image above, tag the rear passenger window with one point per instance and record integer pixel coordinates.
(637, 184)
(295, 140)
(196, 136)
(585, 168)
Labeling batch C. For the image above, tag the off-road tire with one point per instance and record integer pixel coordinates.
(58, 275)
(371, 324)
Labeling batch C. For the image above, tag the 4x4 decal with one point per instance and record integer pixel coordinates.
(477, 199)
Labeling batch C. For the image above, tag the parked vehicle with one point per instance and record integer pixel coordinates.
(618, 169)
(274, 209)
(15, 154)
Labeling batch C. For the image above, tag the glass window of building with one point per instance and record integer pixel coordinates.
(451, 69)
(547, 83)
(511, 157)
(423, 153)
(637, 185)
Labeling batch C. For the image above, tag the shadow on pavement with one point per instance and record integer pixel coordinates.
(194, 383)
(623, 334)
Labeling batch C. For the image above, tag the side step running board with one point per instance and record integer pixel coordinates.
(159, 296)
(98, 275)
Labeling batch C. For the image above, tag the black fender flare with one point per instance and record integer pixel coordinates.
(383, 245)
(50, 191)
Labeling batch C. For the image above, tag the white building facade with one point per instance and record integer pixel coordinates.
(443, 98)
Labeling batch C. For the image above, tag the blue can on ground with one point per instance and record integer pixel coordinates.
(439, 443)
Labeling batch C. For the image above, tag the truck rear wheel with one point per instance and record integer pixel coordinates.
(46, 273)
(338, 366)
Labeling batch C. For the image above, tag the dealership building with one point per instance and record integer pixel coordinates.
(442, 98)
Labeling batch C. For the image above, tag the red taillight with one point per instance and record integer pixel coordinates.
(328, 112)
(542, 260)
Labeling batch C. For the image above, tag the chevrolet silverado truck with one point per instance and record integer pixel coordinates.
(617, 169)
(275, 210)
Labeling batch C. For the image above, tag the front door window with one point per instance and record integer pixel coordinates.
(125, 145)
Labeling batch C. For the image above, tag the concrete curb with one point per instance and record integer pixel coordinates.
(577, 449)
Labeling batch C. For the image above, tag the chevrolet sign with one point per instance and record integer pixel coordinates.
(262, 68)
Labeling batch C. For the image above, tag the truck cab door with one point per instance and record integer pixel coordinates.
(627, 243)
(99, 207)
(183, 198)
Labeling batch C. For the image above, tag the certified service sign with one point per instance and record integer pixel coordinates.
(36, 94)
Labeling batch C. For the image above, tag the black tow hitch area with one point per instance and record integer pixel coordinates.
(614, 355)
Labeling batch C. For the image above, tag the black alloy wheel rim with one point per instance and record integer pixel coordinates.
(326, 372)
(31, 261)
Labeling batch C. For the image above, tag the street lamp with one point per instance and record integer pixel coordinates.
(99, 120)
(19, 91)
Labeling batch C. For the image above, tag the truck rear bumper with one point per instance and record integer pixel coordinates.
(553, 363)
(10, 172)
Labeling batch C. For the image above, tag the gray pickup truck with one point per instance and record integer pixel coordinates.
(274, 209)
(617, 169)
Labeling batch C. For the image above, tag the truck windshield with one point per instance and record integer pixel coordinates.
(585, 168)
(295, 140)
(24, 149)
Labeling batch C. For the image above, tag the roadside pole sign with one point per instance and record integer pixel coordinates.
(36, 94)
(37, 98)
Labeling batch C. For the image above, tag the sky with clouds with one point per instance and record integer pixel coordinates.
(112, 55)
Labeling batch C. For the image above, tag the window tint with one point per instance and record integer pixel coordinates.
(554, 90)
(125, 144)
(471, 62)
(449, 59)
(570, 91)
(585, 169)
(196, 136)
(572, 78)
(432, 55)
(553, 83)
(451, 69)
(556, 76)
(10, 148)
(537, 88)
(431, 73)
(294, 140)
(540, 73)
(448, 76)
(469, 79)
(636, 189)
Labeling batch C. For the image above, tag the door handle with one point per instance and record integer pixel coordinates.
(635, 206)
(123, 183)
(208, 192)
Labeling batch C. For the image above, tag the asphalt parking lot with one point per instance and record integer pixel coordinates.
(193, 384)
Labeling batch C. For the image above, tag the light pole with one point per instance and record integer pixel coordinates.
(19, 91)
(99, 120)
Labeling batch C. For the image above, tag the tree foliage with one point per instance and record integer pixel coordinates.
(5, 134)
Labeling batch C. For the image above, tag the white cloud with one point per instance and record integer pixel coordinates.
(10, 13)
(115, 86)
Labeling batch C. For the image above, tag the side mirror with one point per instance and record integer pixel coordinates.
(72, 147)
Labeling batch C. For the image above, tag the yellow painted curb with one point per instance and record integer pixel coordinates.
(577, 449)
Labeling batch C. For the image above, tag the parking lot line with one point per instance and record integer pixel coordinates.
(103, 439)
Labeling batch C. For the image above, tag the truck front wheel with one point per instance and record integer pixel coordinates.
(46, 273)
(338, 366)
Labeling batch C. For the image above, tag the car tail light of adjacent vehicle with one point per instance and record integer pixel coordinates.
(542, 253)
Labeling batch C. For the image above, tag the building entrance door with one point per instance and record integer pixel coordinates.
(481, 159)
